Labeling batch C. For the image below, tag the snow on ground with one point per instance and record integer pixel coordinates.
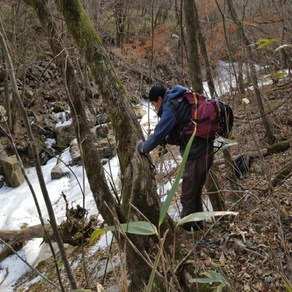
(18, 209)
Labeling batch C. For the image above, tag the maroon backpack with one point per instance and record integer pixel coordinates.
(211, 116)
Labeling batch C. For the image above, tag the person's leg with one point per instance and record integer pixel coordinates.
(194, 178)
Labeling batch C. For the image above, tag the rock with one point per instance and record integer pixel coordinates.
(57, 172)
(106, 147)
(75, 153)
(65, 134)
(12, 171)
(3, 117)
(140, 111)
(100, 131)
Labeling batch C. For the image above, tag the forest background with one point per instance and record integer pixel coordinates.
(143, 43)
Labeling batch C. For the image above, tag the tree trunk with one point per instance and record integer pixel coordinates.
(73, 231)
(214, 193)
(231, 173)
(13, 245)
(241, 88)
(10, 106)
(29, 233)
(228, 47)
(120, 13)
(192, 49)
(204, 53)
(17, 238)
(279, 147)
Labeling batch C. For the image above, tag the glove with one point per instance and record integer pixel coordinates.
(139, 146)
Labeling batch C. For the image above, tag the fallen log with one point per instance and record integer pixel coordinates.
(271, 149)
(16, 239)
(9, 249)
(73, 231)
(31, 232)
(279, 147)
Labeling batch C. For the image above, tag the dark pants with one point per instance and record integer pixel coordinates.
(194, 178)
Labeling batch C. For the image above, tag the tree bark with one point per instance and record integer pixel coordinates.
(215, 195)
(120, 13)
(138, 180)
(86, 140)
(72, 232)
(192, 46)
(204, 53)
(279, 147)
(6, 251)
(31, 232)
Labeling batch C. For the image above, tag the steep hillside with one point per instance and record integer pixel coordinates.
(253, 249)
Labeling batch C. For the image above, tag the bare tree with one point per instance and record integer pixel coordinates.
(121, 15)
(265, 119)
(204, 53)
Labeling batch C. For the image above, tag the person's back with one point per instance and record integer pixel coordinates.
(183, 114)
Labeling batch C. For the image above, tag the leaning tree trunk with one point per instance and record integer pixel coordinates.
(138, 177)
(265, 119)
(137, 174)
(192, 46)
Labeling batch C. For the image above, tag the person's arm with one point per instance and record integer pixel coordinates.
(162, 129)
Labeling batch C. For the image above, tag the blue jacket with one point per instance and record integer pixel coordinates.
(167, 119)
(167, 124)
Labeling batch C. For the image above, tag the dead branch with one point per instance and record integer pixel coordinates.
(284, 173)
(271, 149)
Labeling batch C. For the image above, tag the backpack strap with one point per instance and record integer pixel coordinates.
(198, 96)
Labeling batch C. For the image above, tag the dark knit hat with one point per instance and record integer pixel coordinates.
(158, 89)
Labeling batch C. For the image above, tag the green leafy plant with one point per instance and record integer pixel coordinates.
(212, 278)
(266, 42)
(172, 191)
(279, 75)
(135, 227)
(198, 216)
(147, 228)
(287, 283)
